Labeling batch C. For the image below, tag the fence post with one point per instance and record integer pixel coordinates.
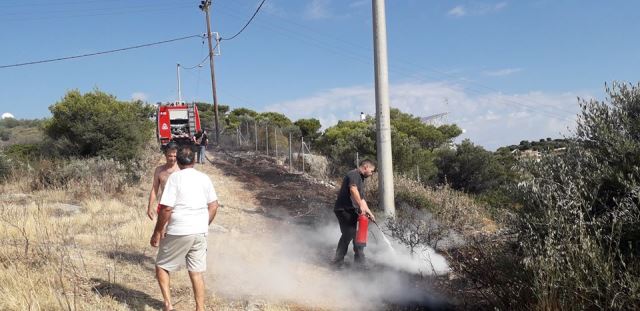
(266, 136)
(357, 159)
(302, 148)
(275, 138)
(255, 125)
(248, 131)
(290, 155)
(418, 171)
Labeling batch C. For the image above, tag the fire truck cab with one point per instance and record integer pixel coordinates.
(178, 122)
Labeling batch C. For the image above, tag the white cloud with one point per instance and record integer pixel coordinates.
(139, 96)
(491, 119)
(318, 9)
(502, 72)
(500, 6)
(271, 8)
(7, 115)
(476, 9)
(458, 11)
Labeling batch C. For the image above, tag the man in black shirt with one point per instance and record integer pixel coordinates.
(349, 204)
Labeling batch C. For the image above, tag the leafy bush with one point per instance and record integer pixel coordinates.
(310, 128)
(207, 115)
(413, 143)
(5, 135)
(239, 115)
(274, 119)
(97, 124)
(414, 198)
(23, 152)
(9, 122)
(12, 123)
(341, 143)
(580, 218)
(5, 168)
(92, 176)
(471, 168)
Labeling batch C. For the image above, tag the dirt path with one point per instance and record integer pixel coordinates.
(271, 242)
(256, 251)
(269, 248)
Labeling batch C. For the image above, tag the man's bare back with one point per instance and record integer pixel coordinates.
(160, 176)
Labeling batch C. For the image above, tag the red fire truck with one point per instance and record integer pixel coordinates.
(178, 122)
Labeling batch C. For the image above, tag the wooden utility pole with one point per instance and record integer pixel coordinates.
(204, 5)
(383, 122)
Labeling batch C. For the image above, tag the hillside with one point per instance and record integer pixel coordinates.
(19, 134)
(269, 249)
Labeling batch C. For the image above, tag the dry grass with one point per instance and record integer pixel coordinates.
(452, 208)
(53, 257)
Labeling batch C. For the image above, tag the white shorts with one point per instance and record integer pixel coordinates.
(176, 250)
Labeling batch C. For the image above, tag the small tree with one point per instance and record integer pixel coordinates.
(310, 128)
(5, 167)
(274, 118)
(414, 228)
(470, 168)
(581, 221)
(207, 115)
(97, 124)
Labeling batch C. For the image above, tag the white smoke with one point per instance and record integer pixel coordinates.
(290, 264)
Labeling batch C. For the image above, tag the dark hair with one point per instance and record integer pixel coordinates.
(368, 162)
(185, 156)
(169, 147)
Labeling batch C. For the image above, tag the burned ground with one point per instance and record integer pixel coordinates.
(302, 205)
(281, 194)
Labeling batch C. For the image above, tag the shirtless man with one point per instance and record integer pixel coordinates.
(160, 176)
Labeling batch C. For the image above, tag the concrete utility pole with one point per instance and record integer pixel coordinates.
(383, 122)
(179, 87)
(204, 5)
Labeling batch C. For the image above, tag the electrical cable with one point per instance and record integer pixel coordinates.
(198, 65)
(247, 24)
(203, 60)
(99, 53)
(337, 50)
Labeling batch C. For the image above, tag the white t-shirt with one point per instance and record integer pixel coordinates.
(188, 192)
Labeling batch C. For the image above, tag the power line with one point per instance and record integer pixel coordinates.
(475, 87)
(99, 53)
(247, 24)
(198, 65)
(204, 59)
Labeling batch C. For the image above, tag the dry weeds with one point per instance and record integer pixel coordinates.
(65, 250)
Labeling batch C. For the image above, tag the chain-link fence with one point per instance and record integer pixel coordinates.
(285, 144)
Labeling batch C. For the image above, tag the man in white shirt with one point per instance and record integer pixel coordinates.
(188, 205)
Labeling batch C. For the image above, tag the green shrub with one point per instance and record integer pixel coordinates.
(414, 199)
(83, 177)
(580, 222)
(23, 152)
(5, 135)
(97, 124)
(413, 145)
(5, 167)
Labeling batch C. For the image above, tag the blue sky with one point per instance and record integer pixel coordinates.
(504, 71)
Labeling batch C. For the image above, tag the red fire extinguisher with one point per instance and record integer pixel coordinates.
(363, 230)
